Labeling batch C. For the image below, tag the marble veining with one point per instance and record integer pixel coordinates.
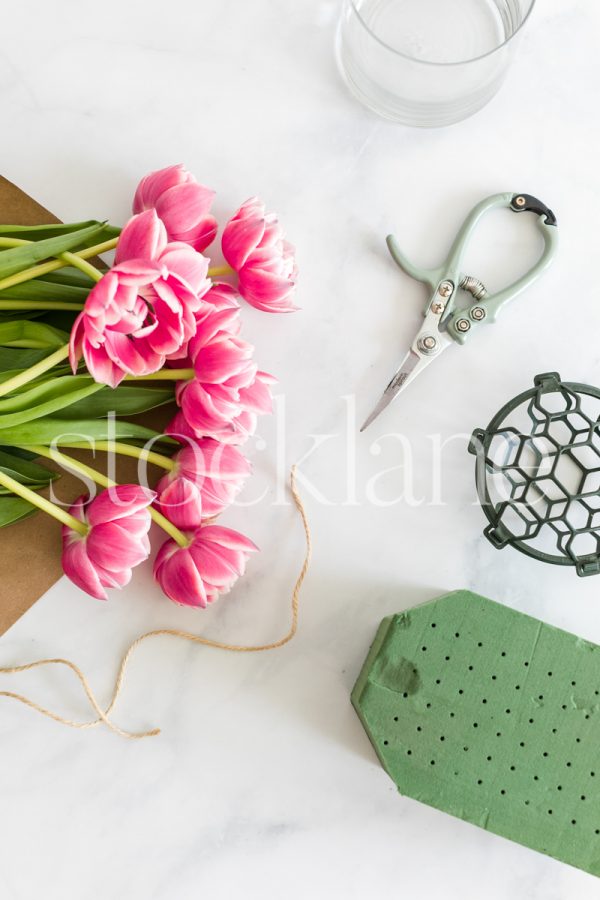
(263, 783)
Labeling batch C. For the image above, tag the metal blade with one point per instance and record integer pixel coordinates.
(398, 382)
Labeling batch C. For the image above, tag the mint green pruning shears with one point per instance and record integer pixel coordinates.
(445, 321)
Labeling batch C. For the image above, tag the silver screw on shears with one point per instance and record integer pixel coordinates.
(428, 344)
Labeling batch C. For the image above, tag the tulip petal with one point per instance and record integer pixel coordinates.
(177, 575)
(181, 502)
(143, 237)
(265, 290)
(118, 502)
(116, 580)
(134, 357)
(156, 183)
(222, 296)
(201, 235)
(78, 568)
(257, 398)
(101, 367)
(180, 429)
(212, 460)
(215, 568)
(240, 238)
(219, 360)
(112, 547)
(184, 205)
(227, 537)
(189, 265)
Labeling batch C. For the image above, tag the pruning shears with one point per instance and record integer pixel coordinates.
(446, 322)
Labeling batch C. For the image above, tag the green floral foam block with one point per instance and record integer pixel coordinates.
(491, 716)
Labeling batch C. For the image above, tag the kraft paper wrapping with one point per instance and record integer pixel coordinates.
(30, 550)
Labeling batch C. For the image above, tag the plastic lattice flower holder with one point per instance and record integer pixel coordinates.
(492, 716)
(538, 474)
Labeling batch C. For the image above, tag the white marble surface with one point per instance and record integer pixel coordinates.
(263, 784)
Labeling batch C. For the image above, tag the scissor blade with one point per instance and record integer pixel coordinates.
(398, 382)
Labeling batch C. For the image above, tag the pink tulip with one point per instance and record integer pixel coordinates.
(235, 432)
(211, 408)
(180, 501)
(223, 367)
(215, 350)
(181, 203)
(117, 539)
(133, 318)
(145, 237)
(254, 246)
(220, 299)
(196, 575)
(227, 413)
(222, 296)
(227, 393)
(206, 478)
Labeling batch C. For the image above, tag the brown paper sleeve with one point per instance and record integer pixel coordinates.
(30, 551)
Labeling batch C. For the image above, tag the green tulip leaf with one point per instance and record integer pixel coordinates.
(49, 429)
(9, 315)
(14, 508)
(19, 452)
(42, 232)
(31, 335)
(25, 471)
(126, 400)
(45, 399)
(40, 290)
(60, 319)
(12, 362)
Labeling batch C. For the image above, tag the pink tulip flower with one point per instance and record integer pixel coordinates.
(145, 237)
(180, 501)
(223, 368)
(222, 296)
(211, 408)
(219, 312)
(117, 539)
(133, 318)
(196, 575)
(216, 351)
(227, 393)
(254, 246)
(181, 203)
(206, 479)
(226, 413)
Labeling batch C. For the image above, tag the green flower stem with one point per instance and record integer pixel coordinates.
(13, 242)
(17, 381)
(40, 304)
(155, 459)
(68, 259)
(164, 375)
(45, 505)
(55, 264)
(81, 469)
(216, 271)
(72, 259)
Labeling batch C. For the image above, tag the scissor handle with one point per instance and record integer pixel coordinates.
(450, 270)
(493, 303)
(430, 277)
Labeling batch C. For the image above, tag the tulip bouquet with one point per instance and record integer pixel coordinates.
(85, 346)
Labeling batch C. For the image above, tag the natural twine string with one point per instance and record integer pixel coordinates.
(103, 715)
